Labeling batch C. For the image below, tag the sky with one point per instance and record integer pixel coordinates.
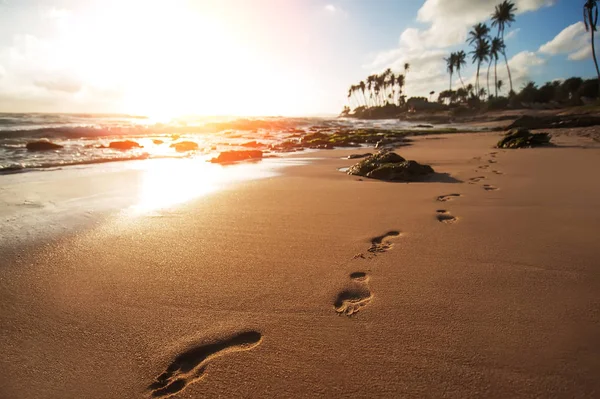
(259, 57)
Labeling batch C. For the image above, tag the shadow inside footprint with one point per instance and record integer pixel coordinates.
(355, 297)
(477, 179)
(383, 243)
(488, 187)
(444, 216)
(447, 197)
(190, 366)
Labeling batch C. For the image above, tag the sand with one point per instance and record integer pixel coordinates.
(484, 282)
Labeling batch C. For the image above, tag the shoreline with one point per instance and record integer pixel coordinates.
(483, 285)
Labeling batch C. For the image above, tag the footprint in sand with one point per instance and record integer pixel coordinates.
(356, 296)
(444, 216)
(477, 179)
(448, 197)
(483, 166)
(492, 161)
(497, 172)
(489, 187)
(190, 366)
(383, 243)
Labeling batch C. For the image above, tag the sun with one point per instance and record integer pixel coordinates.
(166, 59)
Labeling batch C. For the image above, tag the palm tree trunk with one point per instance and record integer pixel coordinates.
(461, 81)
(496, 76)
(594, 50)
(477, 80)
(507, 67)
(488, 79)
(450, 82)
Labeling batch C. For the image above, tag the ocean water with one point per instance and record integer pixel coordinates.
(85, 137)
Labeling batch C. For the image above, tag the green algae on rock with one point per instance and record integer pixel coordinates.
(390, 166)
(523, 138)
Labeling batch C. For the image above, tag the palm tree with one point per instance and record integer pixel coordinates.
(459, 62)
(478, 32)
(482, 92)
(590, 18)
(371, 85)
(431, 93)
(504, 16)
(401, 81)
(499, 85)
(480, 55)
(470, 89)
(450, 63)
(496, 49)
(362, 86)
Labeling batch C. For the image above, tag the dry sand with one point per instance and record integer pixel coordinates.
(493, 292)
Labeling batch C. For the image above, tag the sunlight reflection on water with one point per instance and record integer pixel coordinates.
(169, 182)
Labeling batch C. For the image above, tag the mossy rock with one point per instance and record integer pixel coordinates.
(523, 138)
(390, 166)
(404, 171)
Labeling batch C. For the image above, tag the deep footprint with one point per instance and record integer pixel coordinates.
(383, 243)
(488, 187)
(448, 197)
(477, 179)
(444, 216)
(351, 300)
(190, 366)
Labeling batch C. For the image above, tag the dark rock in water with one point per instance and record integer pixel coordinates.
(124, 145)
(157, 142)
(234, 156)
(42, 145)
(184, 146)
(253, 144)
(358, 156)
(425, 126)
(523, 138)
(391, 167)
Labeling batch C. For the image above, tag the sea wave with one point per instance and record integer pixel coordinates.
(19, 168)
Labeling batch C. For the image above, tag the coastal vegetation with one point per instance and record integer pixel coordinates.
(383, 95)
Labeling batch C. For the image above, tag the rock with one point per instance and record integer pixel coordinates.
(184, 146)
(253, 144)
(157, 142)
(42, 145)
(424, 126)
(390, 166)
(235, 156)
(124, 145)
(404, 171)
(358, 156)
(523, 138)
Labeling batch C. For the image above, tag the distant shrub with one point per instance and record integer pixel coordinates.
(497, 103)
(461, 111)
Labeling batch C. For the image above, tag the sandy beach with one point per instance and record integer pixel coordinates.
(482, 282)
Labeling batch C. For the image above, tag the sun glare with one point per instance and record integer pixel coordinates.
(172, 58)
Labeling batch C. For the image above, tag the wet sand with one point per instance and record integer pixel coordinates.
(483, 282)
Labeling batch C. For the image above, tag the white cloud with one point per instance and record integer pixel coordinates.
(581, 54)
(450, 19)
(330, 8)
(573, 40)
(521, 66)
(449, 22)
(512, 34)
